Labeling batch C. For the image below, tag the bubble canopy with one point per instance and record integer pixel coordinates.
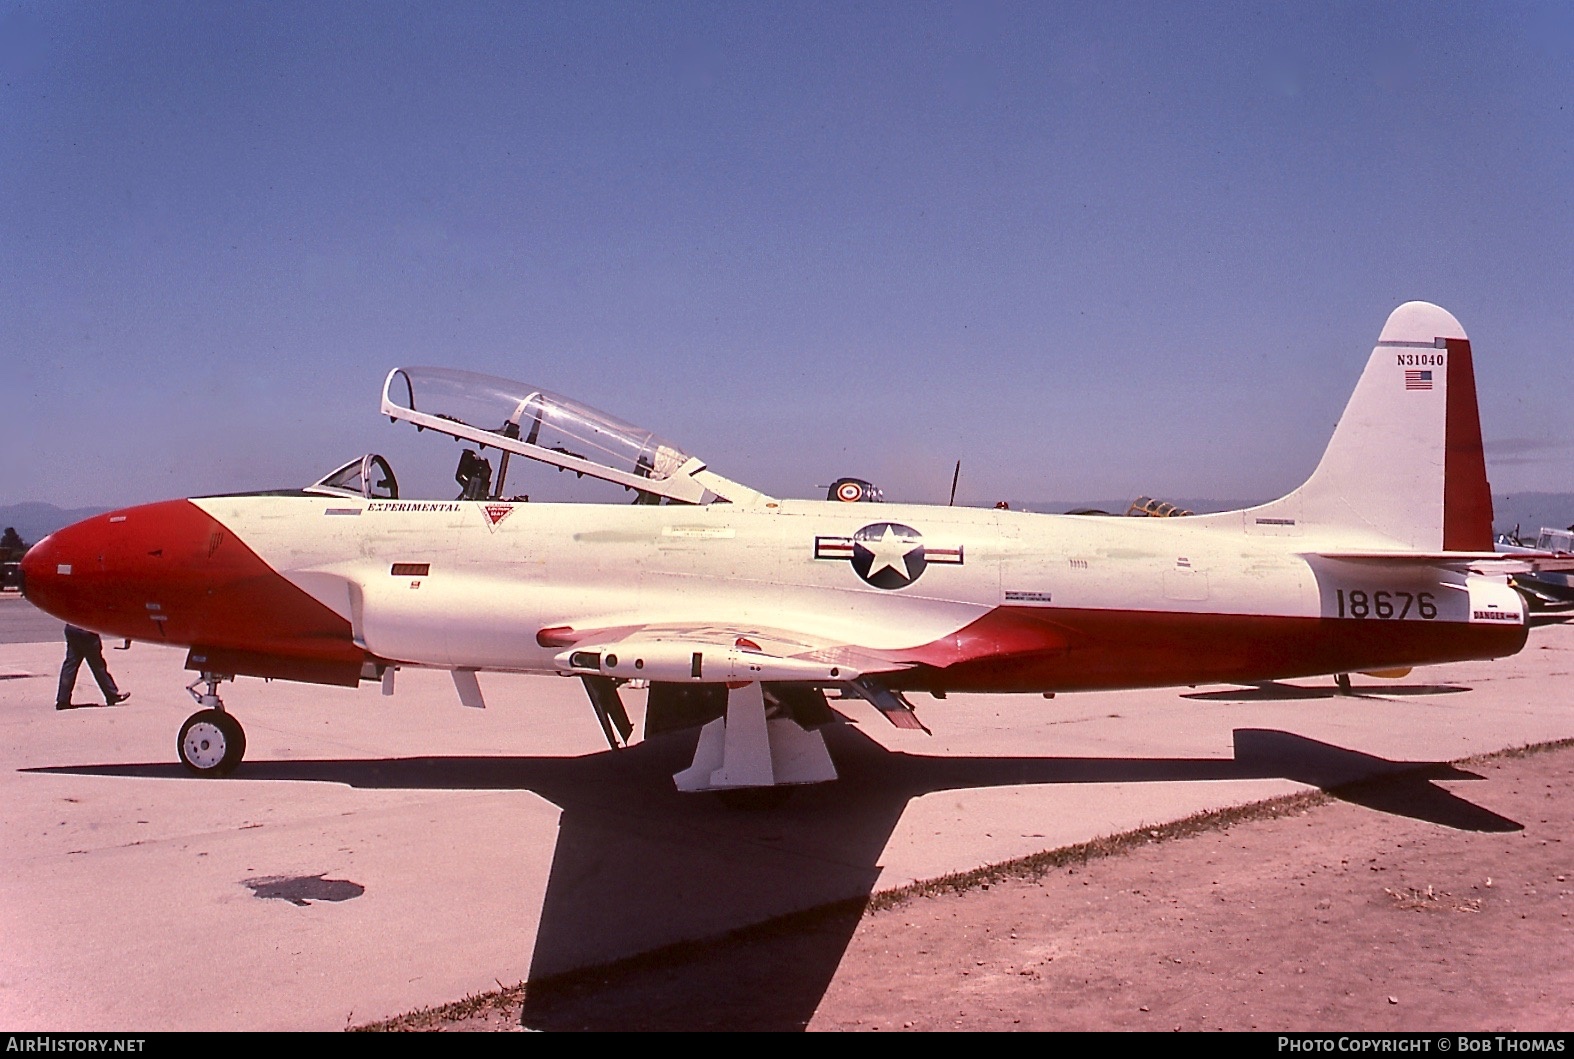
(524, 420)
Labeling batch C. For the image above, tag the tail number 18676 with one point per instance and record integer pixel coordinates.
(1359, 603)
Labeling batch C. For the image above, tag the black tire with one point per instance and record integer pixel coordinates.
(211, 743)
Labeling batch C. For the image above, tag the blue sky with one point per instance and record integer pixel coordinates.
(1089, 249)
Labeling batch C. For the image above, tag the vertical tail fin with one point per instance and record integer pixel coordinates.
(1405, 464)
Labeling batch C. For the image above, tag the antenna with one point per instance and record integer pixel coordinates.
(954, 476)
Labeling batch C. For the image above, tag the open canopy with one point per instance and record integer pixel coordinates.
(523, 420)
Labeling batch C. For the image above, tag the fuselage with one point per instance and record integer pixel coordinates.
(329, 588)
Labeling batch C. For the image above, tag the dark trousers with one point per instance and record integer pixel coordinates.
(83, 646)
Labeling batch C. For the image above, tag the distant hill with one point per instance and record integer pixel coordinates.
(35, 521)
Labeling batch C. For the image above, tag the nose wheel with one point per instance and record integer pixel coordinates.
(211, 742)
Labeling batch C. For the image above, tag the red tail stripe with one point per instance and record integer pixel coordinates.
(1467, 498)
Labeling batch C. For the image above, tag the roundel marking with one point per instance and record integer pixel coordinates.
(888, 554)
(849, 492)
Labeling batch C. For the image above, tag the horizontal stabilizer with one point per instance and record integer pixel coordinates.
(1487, 562)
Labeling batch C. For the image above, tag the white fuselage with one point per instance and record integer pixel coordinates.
(473, 584)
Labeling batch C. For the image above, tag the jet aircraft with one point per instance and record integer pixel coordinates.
(740, 611)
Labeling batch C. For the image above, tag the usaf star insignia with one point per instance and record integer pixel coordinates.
(885, 554)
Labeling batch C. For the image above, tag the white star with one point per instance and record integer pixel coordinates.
(890, 551)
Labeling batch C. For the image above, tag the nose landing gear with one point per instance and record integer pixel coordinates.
(211, 742)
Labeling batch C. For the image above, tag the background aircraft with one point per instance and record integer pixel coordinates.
(740, 611)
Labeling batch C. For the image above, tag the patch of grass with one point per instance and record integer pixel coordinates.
(506, 999)
(1036, 866)
(1527, 750)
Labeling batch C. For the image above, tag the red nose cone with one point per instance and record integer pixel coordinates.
(110, 572)
(49, 575)
(38, 566)
(171, 573)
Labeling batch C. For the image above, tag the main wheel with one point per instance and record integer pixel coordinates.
(211, 743)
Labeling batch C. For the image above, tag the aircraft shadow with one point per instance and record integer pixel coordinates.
(637, 863)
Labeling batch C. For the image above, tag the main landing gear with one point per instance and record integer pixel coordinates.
(211, 742)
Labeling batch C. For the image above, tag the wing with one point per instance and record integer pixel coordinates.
(710, 654)
(682, 661)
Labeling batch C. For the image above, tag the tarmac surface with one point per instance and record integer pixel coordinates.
(378, 855)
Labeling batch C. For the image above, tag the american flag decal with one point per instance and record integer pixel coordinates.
(1418, 380)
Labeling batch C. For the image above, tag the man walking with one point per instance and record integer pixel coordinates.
(83, 646)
